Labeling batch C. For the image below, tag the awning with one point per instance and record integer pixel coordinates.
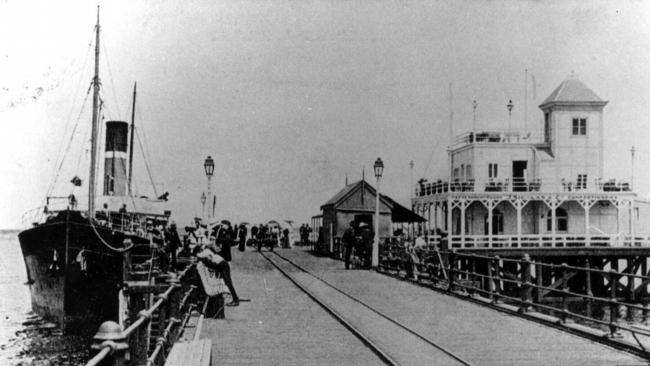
(400, 213)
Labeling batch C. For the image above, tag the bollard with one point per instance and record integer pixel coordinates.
(565, 293)
(613, 306)
(526, 285)
(452, 269)
(111, 335)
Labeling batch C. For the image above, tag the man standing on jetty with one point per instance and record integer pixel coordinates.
(349, 242)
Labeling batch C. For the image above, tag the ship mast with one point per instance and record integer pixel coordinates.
(95, 123)
(135, 85)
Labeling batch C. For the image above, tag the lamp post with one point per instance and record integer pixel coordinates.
(633, 150)
(411, 164)
(379, 169)
(474, 106)
(509, 106)
(203, 199)
(208, 165)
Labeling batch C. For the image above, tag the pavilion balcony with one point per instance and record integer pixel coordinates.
(497, 137)
(425, 188)
(547, 241)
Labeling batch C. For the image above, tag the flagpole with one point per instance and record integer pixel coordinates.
(525, 99)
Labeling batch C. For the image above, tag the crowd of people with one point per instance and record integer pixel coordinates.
(212, 244)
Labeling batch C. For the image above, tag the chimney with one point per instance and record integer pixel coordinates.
(115, 158)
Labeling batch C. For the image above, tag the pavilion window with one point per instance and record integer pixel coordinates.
(579, 127)
(561, 220)
(497, 223)
(493, 170)
(581, 183)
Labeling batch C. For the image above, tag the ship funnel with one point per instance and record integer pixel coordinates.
(115, 158)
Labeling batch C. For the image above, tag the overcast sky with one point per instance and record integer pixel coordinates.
(289, 97)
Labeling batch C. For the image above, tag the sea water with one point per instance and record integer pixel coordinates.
(25, 338)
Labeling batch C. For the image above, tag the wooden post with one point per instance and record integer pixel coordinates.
(630, 279)
(490, 284)
(220, 304)
(539, 269)
(613, 305)
(644, 272)
(452, 270)
(473, 277)
(139, 339)
(565, 293)
(497, 279)
(526, 285)
(588, 289)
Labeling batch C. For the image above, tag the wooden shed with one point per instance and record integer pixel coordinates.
(356, 202)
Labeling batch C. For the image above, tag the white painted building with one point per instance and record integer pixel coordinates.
(543, 187)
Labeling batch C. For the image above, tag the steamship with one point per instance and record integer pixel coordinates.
(78, 258)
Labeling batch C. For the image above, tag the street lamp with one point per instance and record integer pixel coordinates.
(411, 164)
(509, 106)
(208, 165)
(379, 170)
(474, 106)
(203, 198)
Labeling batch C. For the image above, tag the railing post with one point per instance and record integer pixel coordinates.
(139, 339)
(613, 306)
(473, 275)
(490, 283)
(497, 280)
(565, 293)
(162, 314)
(452, 269)
(539, 274)
(174, 297)
(526, 285)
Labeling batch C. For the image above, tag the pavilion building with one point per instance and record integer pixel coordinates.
(537, 189)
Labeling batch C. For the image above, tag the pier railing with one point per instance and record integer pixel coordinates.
(171, 311)
(572, 296)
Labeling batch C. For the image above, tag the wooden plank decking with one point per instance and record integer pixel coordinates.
(281, 325)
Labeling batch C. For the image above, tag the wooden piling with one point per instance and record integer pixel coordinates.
(526, 285)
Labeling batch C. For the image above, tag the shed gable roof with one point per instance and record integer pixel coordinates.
(349, 189)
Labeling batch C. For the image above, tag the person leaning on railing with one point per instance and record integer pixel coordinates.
(210, 258)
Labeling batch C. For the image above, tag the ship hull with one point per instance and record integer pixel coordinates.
(74, 278)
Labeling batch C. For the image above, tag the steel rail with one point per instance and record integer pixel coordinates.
(374, 348)
(374, 310)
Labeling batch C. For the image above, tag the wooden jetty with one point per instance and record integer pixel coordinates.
(308, 310)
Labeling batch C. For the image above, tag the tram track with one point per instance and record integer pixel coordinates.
(398, 330)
